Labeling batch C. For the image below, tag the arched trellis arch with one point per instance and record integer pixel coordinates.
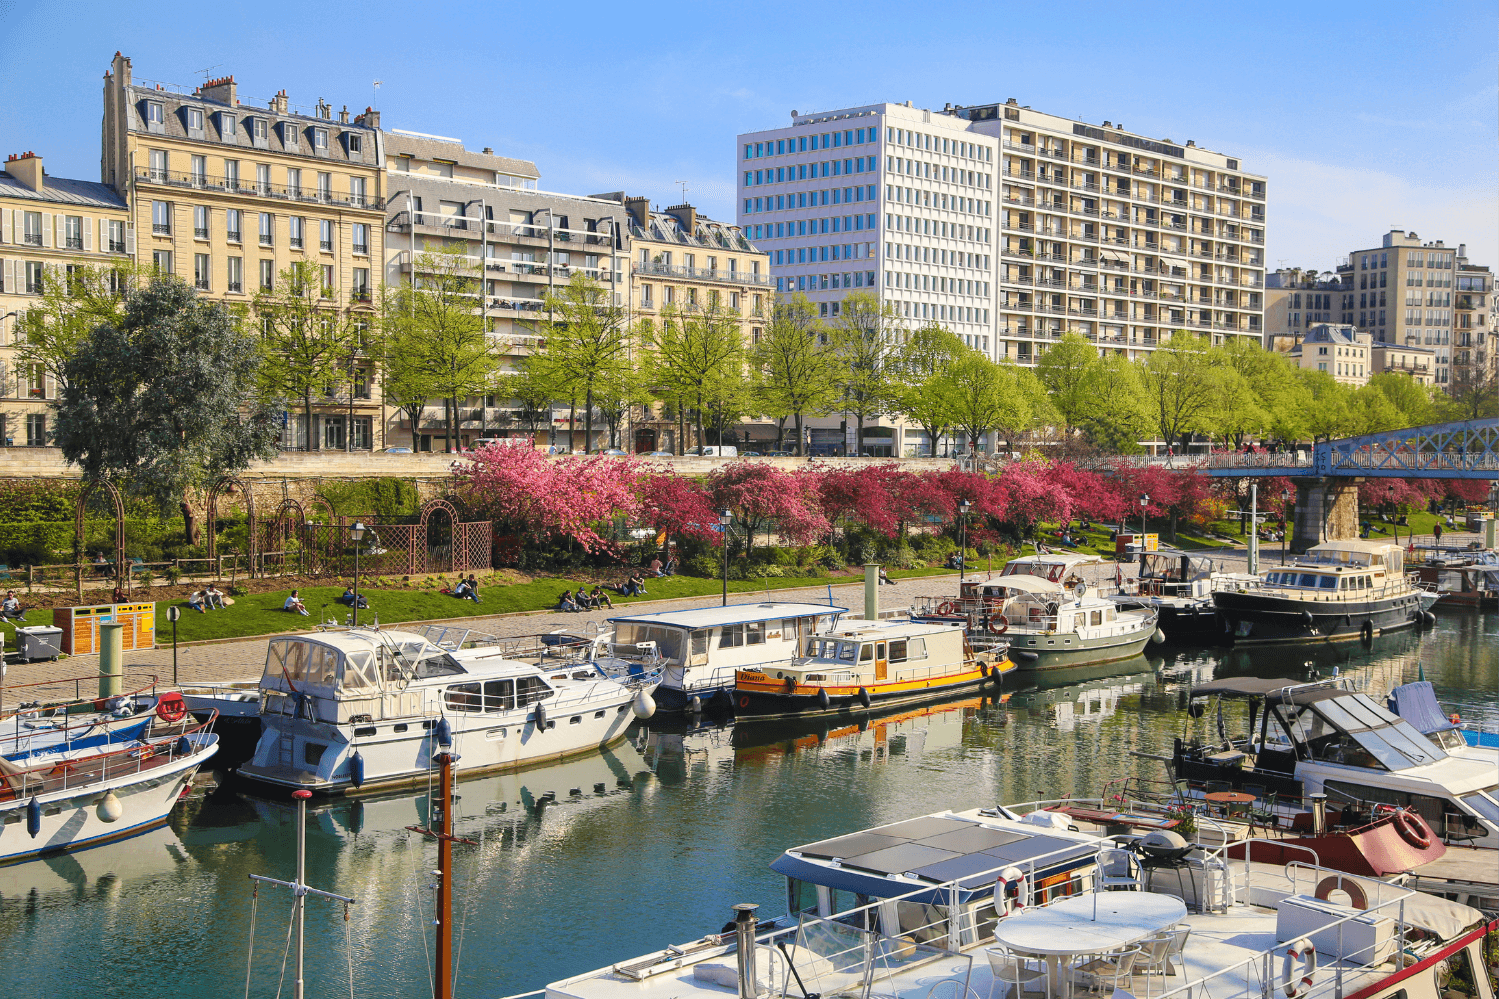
(89, 486)
(278, 531)
(213, 515)
(417, 551)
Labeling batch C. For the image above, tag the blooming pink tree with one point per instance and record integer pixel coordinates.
(526, 492)
(762, 498)
(677, 505)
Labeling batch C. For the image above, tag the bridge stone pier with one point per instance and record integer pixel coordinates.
(1326, 510)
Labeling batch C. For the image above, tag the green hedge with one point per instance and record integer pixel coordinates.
(38, 542)
(388, 497)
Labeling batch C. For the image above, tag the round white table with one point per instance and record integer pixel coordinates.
(1069, 927)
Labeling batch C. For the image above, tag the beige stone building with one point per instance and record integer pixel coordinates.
(1409, 359)
(1297, 300)
(682, 260)
(1475, 352)
(227, 195)
(1341, 351)
(1402, 293)
(46, 224)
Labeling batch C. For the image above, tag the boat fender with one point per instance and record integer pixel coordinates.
(790, 685)
(1306, 618)
(1004, 625)
(541, 718)
(644, 706)
(33, 817)
(1347, 618)
(864, 697)
(356, 769)
(1024, 656)
(1410, 830)
(1356, 896)
(984, 669)
(1366, 633)
(998, 676)
(1300, 950)
(444, 731)
(109, 809)
(822, 697)
(1159, 637)
(1430, 619)
(695, 705)
(1455, 718)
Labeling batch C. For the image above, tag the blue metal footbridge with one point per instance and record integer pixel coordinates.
(1468, 449)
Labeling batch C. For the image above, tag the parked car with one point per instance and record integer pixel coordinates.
(608, 451)
(750, 454)
(662, 454)
(714, 451)
(778, 454)
(398, 450)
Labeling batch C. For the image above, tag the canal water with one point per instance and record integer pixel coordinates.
(583, 864)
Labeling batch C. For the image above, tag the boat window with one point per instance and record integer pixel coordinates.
(916, 649)
(846, 651)
(1328, 582)
(866, 653)
(1355, 707)
(1342, 719)
(1484, 806)
(272, 703)
(1096, 618)
(921, 922)
(668, 640)
(801, 896)
(295, 661)
(1342, 582)
(438, 665)
(1111, 616)
(1412, 743)
(1429, 808)
(499, 695)
(700, 643)
(530, 689)
(788, 629)
(754, 633)
(1078, 620)
(1388, 756)
(464, 697)
(898, 650)
(360, 672)
(731, 636)
(1307, 579)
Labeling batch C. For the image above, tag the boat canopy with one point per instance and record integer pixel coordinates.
(1356, 552)
(1417, 704)
(1028, 584)
(353, 661)
(1243, 686)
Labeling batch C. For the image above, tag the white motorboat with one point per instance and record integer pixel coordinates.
(705, 647)
(345, 711)
(1180, 585)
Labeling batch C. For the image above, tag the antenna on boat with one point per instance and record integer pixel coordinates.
(300, 890)
(442, 974)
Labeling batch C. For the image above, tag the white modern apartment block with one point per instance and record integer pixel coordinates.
(1008, 225)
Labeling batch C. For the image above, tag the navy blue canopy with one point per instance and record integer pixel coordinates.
(1417, 704)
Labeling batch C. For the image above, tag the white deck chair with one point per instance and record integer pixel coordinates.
(1015, 973)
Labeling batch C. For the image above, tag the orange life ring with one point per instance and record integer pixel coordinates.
(171, 708)
(947, 607)
(1004, 625)
(1356, 896)
(744, 702)
(1410, 830)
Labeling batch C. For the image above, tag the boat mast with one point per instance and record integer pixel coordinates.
(442, 974)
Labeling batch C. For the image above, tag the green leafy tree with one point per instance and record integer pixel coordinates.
(1234, 412)
(1412, 401)
(1066, 369)
(1178, 386)
(1329, 415)
(922, 391)
(587, 337)
(984, 397)
(167, 399)
(73, 303)
(794, 370)
(865, 337)
(308, 342)
(691, 348)
(533, 393)
(1113, 414)
(1027, 406)
(620, 388)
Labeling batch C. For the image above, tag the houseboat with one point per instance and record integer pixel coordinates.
(1337, 591)
(355, 711)
(1301, 739)
(863, 666)
(703, 648)
(1464, 579)
(1180, 587)
(1047, 614)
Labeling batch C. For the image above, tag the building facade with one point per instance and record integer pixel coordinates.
(1402, 293)
(1296, 301)
(1341, 351)
(682, 261)
(530, 242)
(48, 226)
(227, 196)
(1407, 359)
(1008, 225)
(1475, 361)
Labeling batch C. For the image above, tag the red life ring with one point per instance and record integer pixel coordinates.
(1301, 949)
(947, 607)
(1004, 625)
(170, 708)
(1410, 830)
(744, 702)
(1356, 896)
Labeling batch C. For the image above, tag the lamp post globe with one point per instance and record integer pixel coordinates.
(1144, 502)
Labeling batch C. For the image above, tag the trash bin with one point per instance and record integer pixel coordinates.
(41, 641)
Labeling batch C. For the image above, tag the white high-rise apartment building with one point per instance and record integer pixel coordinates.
(1008, 225)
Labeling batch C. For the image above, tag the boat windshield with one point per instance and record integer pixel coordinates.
(669, 641)
(1354, 730)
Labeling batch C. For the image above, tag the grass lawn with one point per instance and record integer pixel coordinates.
(261, 613)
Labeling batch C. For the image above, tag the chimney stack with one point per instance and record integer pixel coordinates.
(685, 214)
(343, 116)
(279, 102)
(26, 168)
(640, 210)
(370, 118)
(221, 90)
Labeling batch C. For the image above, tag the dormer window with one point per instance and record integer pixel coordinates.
(260, 132)
(320, 140)
(289, 135)
(194, 118)
(156, 116)
(356, 142)
(227, 129)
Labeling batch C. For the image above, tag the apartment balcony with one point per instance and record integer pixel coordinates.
(232, 185)
(703, 274)
(1016, 199)
(1406, 367)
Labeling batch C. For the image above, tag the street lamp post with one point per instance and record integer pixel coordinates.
(724, 519)
(1144, 502)
(963, 507)
(1285, 497)
(357, 534)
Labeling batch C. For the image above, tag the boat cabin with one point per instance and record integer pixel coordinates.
(1347, 581)
(1064, 568)
(1174, 573)
(863, 652)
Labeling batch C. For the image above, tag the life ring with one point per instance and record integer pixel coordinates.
(947, 607)
(1304, 950)
(744, 702)
(1455, 718)
(1410, 830)
(171, 708)
(1356, 896)
(1004, 625)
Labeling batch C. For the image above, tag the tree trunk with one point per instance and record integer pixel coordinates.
(307, 420)
(859, 436)
(700, 437)
(189, 523)
(572, 424)
(416, 419)
(800, 434)
(447, 426)
(588, 419)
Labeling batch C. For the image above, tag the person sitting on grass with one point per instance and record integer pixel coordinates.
(600, 597)
(470, 588)
(213, 596)
(885, 577)
(10, 607)
(583, 600)
(294, 604)
(566, 602)
(195, 602)
(349, 598)
(656, 567)
(639, 580)
(458, 588)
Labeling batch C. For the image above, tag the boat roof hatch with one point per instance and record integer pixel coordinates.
(713, 617)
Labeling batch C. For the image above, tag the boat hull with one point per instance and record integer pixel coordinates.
(1250, 618)
(770, 700)
(70, 818)
(1051, 653)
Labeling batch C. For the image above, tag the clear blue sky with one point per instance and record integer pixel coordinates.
(1363, 115)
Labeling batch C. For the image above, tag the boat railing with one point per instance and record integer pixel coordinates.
(42, 698)
(64, 771)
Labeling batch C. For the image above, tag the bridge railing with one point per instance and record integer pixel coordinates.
(1259, 459)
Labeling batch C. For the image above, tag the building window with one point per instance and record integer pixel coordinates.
(194, 119)
(356, 142)
(32, 224)
(361, 237)
(200, 271)
(361, 286)
(325, 235)
(267, 275)
(73, 231)
(294, 182)
(235, 275)
(161, 260)
(320, 139)
(325, 187)
(200, 221)
(357, 191)
(260, 132)
(231, 175)
(263, 178)
(33, 277)
(267, 228)
(294, 224)
(361, 437)
(116, 230)
(232, 225)
(328, 281)
(36, 430)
